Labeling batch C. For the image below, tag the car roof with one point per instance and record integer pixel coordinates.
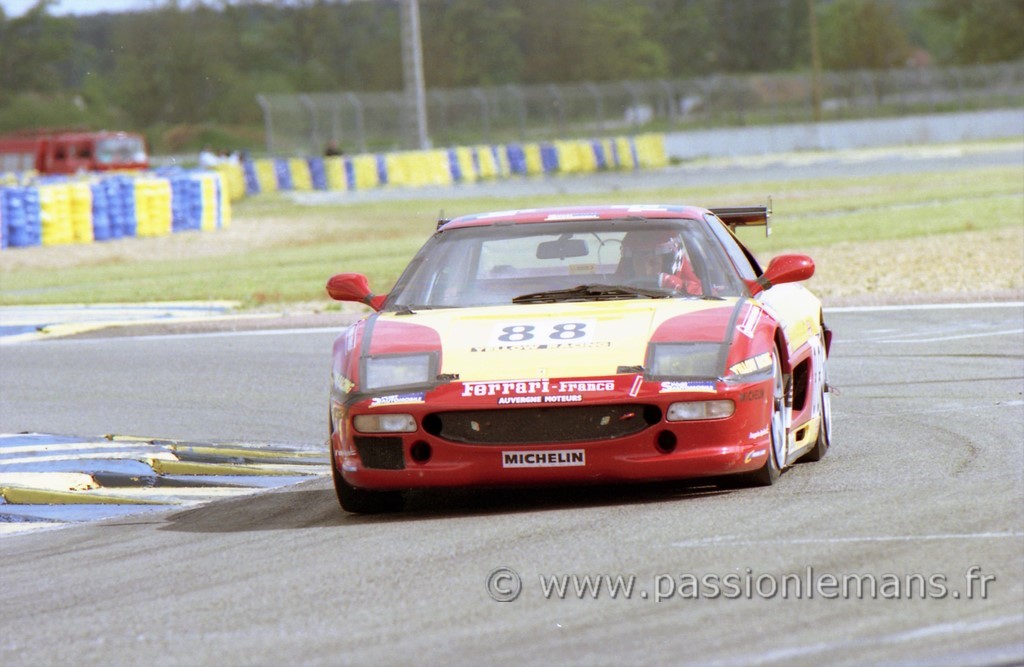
(578, 213)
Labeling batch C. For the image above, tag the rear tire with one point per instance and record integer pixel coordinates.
(824, 441)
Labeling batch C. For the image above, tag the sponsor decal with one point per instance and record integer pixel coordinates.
(818, 362)
(751, 395)
(528, 400)
(397, 399)
(563, 398)
(337, 416)
(755, 455)
(707, 387)
(635, 389)
(559, 459)
(501, 214)
(758, 434)
(350, 339)
(572, 216)
(519, 400)
(586, 385)
(535, 387)
(749, 324)
(540, 346)
(343, 384)
(752, 365)
(640, 208)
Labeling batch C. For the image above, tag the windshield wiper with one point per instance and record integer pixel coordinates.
(592, 293)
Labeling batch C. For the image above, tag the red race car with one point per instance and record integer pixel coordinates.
(585, 344)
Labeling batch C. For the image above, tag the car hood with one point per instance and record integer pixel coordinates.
(544, 340)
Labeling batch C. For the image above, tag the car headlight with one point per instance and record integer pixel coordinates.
(689, 410)
(399, 370)
(384, 423)
(684, 360)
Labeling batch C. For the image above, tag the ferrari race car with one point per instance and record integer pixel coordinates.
(585, 344)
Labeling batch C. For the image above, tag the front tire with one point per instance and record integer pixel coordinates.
(770, 472)
(361, 501)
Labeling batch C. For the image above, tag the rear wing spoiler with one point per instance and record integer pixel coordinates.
(746, 216)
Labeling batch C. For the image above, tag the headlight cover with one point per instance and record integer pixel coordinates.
(684, 360)
(384, 423)
(395, 371)
(694, 410)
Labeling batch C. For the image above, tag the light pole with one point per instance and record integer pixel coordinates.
(412, 69)
(812, 17)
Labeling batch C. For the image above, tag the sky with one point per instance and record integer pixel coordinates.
(14, 8)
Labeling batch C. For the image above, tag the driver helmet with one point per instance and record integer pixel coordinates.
(646, 245)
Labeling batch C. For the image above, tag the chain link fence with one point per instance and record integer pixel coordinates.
(366, 122)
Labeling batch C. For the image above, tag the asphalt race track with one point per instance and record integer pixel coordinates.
(918, 511)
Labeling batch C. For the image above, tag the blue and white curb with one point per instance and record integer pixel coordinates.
(19, 324)
(48, 481)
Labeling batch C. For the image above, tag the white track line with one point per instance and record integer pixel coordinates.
(953, 628)
(733, 541)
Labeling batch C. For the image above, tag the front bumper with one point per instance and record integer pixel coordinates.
(650, 448)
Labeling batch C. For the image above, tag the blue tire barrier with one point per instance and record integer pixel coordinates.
(189, 200)
(453, 166)
(284, 174)
(467, 164)
(22, 224)
(476, 163)
(633, 153)
(549, 158)
(28, 213)
(252, 183)
(317, 173)
(129, 221)
(59, 210)
(350, 174)
(599, 157)
(615, 154)
(516, 158)
(100, 212)
(191, 194)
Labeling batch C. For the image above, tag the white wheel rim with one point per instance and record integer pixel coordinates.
(778, 415)
(826, 414)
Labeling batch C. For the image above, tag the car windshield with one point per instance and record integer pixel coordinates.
(566, 261)
(120, 150)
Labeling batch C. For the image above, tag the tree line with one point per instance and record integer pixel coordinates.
(187, 63)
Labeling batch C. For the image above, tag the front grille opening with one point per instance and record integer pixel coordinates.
(421, 452)
(666, 442)
(380, 453)
(541, 425)
(432, 424)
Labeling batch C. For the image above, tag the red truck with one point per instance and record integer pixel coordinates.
(72, 151)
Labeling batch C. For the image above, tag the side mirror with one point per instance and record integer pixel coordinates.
(354, 287)
(784, 269)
